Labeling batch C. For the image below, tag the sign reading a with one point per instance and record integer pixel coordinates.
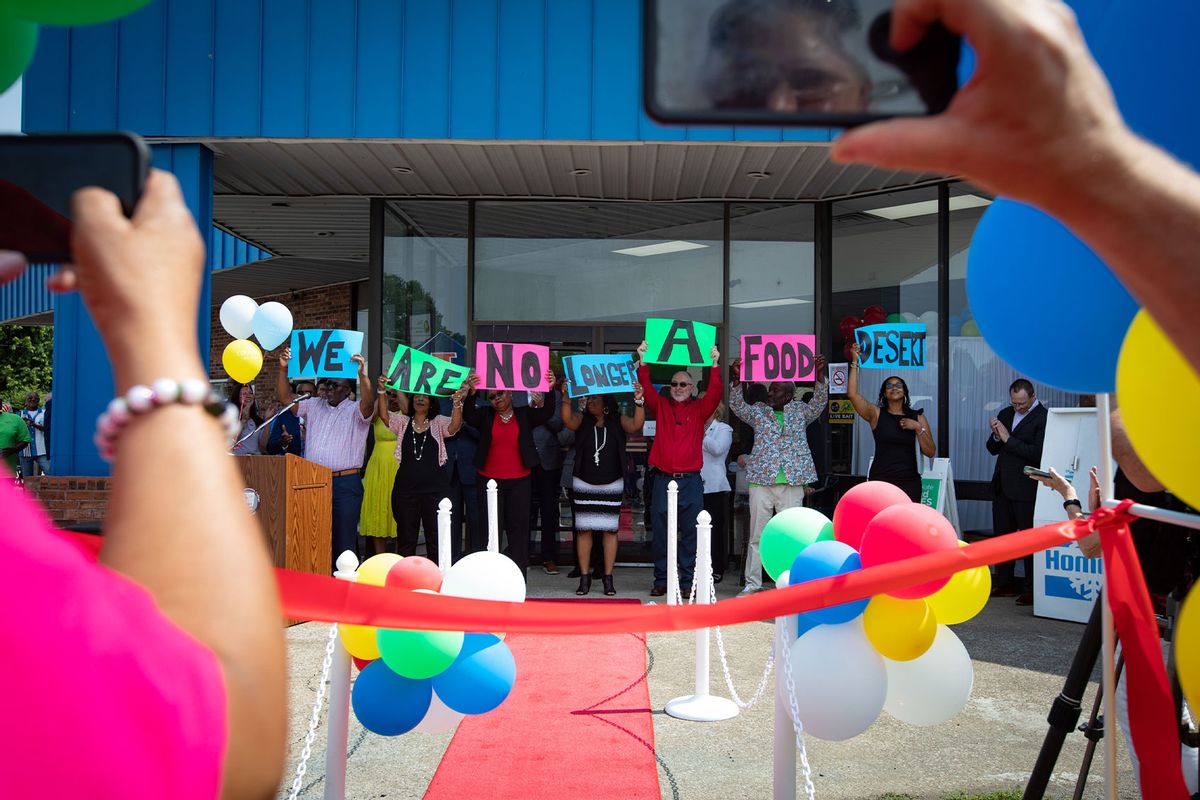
(414, 372)
(841, 412)
(324, 353)
(778, 358)
(596, 374)
(679, 342)
(512, 366)
(895, 344)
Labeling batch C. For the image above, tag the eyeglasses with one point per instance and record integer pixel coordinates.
(893, 386)
(680, 384)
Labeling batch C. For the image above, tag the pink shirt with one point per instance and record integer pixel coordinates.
(336, 435)
(105, 697)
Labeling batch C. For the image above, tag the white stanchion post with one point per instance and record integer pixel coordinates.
(493, 503)
(1108, 675)
(672, 542)
(445, 557)
(784, 779)
(702, 706)
(339, 699)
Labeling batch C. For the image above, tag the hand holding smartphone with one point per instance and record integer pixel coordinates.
(1034, 472)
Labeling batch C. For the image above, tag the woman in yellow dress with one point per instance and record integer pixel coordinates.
(376, 522)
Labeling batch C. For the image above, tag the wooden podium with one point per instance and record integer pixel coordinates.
(295, 509)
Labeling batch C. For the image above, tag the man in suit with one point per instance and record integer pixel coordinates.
(1016, 441)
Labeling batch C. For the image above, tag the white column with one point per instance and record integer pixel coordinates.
(445, 556)
(784, 781)
(672, 542)
(493, 503)
(339, 699)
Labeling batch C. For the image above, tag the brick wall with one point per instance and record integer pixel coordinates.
(71, 500)
(327, 307)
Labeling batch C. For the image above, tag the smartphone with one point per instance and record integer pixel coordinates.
(824, 63)
(1034, 472)
(39, 173)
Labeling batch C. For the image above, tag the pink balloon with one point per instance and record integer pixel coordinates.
(361, 663)
(860, 505)
(901, 532)
(414, 573)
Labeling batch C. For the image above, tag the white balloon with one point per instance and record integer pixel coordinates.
(930, 318)
(840, 680)
(485, 576)
(237, 316)
(782, 581)
(909, 316)
(440, 718)
(934, 687)
(272, 325)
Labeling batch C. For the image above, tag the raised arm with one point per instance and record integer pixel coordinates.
(643, 373)
(472, 413)
(381, 402)
(814, 407)
(866, 410)
(716, 387)
(456, 414)
(366, 394)
(567, 411)
(283, 389)
(635, 423)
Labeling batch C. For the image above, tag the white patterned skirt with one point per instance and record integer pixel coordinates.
(597, 508)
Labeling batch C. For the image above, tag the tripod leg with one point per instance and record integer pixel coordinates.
(1093, 731)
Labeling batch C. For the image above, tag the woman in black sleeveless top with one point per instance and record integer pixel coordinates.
(896, 426)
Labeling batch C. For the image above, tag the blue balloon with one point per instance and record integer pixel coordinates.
(822, 560)
(956, 323)
(389, 704)
(1045, 303)
(803, 625)
(480, 678)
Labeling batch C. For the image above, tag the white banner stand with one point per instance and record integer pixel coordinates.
(672, 542)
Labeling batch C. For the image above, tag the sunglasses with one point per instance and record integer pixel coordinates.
(893, 386)
(680, 384)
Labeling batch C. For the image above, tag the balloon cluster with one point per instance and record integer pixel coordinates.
(893, 652)
(428, 680)
(242, 317)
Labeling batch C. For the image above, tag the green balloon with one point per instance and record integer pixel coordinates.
(895, 318)
(789, 532)
(418, 654)
(69, 12)
(18, 41)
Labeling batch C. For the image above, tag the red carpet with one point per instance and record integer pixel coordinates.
(577, 725)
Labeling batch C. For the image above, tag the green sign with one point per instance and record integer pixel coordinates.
(414, 372)
(679, 342)
(930, 489)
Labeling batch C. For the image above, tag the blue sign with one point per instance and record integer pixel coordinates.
(324, 354)
(599, 374)
(892, 345)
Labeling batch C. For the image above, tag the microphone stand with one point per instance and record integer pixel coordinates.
(273, 417)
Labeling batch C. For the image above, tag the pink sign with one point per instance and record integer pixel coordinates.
(521, 367)
(778, 358)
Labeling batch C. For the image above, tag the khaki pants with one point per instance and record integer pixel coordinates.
(766, 502)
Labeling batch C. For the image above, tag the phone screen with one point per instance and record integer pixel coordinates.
(820, 62)
(38, 175)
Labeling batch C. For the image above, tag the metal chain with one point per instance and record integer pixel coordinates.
(790, 683)
(306, 753)
(762, 683)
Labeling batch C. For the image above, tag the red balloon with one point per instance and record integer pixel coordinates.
(846, 354)
(874, 315)
(860, 505)
(847, 326)
(901, 532)
(361, 663)
(414, 572)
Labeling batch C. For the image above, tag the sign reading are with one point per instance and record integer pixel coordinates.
(896, 344)
(324, 353)
(596, 374)
(790, 357)
(679, 342)
(414, 372)
(522, 367)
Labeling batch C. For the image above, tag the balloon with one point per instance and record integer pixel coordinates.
(18, 42)
(859, 506)
(480, 678)
(485, 576)
(1187, 648)
(360, 663)
(1011, 232)
(242, 360)
(848, 325)
(237, 316)
(969, 328)
(359, 641)
(908, 316)
(1167, 450)
(272, 325)
(930, 320)
(963, 597)
(440, 718)
(874, 315)
(956, 325)
(389, 704)
(823, 559)
(900, 629)
(788, 533)
(895, 318)
(418, 654)
(70, 12)
(374, 570)
(841, 682)
(933, 688)
(414, 572)
(901, 532)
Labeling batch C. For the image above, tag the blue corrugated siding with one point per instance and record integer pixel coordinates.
(471, 69)
(28, 294)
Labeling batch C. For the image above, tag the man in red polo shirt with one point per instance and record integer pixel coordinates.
(677, 455)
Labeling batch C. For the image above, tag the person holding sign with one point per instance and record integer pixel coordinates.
(781, 464)
(598, 477)
(677, 454)
(506, 454)
(376, 522)
(898, 429)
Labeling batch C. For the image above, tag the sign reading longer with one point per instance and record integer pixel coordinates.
(679, 342)
(415, 372)
(895, 344)
(596, 374)
(324, 353)
(778, 358)
(512, 366)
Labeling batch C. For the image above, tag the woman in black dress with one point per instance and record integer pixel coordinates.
(898, 429)
(598, 481)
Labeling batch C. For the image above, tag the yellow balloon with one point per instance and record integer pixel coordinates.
(359, 641)
(1187, 648)
(900, 629)
(242, 360)
(970, 328)
(374, 570)
(963, 597)
(1149, 372)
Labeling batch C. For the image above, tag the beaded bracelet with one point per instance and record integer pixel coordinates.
(163, 392)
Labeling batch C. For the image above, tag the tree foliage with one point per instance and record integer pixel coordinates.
(26, 357)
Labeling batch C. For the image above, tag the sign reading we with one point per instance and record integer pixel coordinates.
(414, 372)
(324, 353)
(679, 342)
(597, 374)
(523, 367)
(778, 358)
(896, 344)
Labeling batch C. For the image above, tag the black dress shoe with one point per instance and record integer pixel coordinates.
(658, 591)
(1004, 591)
(1025, 599)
